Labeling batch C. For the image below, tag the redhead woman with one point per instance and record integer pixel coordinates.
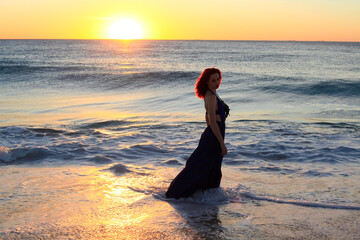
(203, 168)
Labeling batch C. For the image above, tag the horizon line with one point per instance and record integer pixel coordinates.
(148, 39)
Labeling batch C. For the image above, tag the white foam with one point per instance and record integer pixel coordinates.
(243, 192)
(5, 154)
(208, 196)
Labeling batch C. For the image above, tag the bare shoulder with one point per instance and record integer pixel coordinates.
(209, 97)
(210, 102)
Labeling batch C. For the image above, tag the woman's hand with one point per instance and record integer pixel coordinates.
(223, 149)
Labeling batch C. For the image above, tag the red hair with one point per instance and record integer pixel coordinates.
(201, 83)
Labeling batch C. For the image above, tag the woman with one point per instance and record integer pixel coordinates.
(203, 168)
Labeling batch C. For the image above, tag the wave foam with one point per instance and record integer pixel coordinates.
(5, 154)
(8, 155)
(241, 192)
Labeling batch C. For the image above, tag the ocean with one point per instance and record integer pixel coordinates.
(93, 131)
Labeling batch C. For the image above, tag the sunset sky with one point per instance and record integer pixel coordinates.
(302, 20)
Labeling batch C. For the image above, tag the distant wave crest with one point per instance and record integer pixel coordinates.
(330, 88)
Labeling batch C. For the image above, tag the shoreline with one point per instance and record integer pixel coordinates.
(86, 202)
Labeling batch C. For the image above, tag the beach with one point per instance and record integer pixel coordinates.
(88, 203)
(93, 131)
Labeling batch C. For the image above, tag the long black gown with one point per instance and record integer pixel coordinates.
(203, 168)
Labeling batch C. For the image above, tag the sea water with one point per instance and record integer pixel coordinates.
(93, 131)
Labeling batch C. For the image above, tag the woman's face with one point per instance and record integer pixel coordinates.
(214, 81)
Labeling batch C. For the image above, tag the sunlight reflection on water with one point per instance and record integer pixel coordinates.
(88, 202)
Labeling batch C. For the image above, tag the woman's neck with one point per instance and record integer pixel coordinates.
(213, 90)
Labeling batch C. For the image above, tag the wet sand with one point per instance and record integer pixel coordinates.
(91, 202)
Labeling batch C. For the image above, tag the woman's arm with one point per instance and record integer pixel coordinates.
(210, 105)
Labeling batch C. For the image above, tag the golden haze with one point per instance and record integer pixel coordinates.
(317, 20)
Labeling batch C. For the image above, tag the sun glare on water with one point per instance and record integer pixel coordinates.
(125, 29)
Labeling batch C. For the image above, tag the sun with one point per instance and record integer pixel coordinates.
(125, 29)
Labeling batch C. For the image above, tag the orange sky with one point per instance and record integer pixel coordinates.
(302, 20)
